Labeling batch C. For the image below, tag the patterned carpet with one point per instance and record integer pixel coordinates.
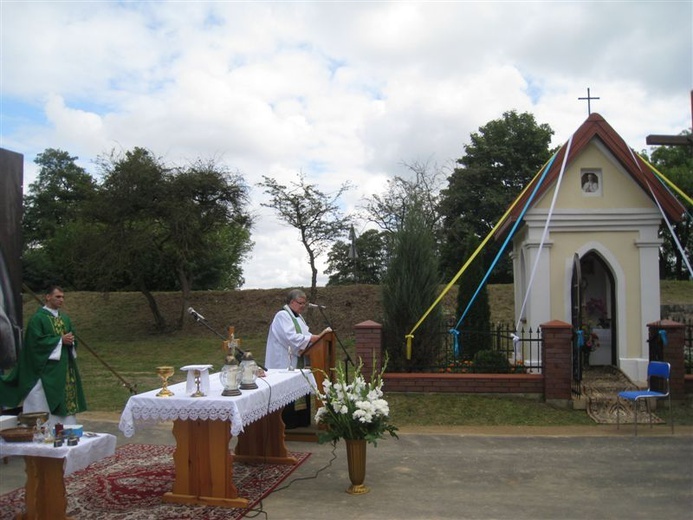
(129, 486)
(601, 385)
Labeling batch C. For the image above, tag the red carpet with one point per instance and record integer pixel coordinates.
(130, 484)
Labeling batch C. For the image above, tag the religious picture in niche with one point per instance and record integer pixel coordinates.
(590, 182)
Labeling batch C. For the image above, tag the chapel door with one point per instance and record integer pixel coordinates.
(598, 309)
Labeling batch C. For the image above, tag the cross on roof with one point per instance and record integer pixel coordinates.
(673, 140)
(588, 98)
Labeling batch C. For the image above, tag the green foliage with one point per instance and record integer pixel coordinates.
(316, 216)
(354, 410)
(174, 227)
(365, 268)
(409, 287)
(676, 164)
(491, 362)
(54, 223)
(498, 163)
(474, 330)
(146, 227)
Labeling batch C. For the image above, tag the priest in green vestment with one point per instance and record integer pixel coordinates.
(46, 377)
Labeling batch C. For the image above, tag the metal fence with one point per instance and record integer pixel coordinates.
(500, 349)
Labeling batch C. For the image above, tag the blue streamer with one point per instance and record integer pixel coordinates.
(663, 337)
(455, 342)
(507, 239)
(580, 338)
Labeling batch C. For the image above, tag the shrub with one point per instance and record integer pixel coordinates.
(491, 362)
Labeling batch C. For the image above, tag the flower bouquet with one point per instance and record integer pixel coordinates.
(353, 411)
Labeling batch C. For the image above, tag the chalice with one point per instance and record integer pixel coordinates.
(164, 373)
(197, 392)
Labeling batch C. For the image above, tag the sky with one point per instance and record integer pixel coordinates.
(337, 91)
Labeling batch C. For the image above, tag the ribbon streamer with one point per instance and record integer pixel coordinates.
(663, 337)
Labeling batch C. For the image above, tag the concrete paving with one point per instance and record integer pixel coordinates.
(475, 473)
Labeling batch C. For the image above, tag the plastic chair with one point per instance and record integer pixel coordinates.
(655, 369)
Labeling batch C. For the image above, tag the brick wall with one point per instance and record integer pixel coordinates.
(465, 383)
(554, 383)
(672, 353)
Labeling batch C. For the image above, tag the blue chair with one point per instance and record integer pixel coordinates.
(655, 369)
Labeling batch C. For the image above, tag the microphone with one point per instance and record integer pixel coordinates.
(316, 306)
(196, 315)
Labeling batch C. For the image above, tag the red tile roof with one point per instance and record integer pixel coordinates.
(595, 126)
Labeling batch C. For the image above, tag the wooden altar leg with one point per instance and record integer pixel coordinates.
(204, 465)
(45, 489)
(263, 441)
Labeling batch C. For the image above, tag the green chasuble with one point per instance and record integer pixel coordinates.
(60, 379)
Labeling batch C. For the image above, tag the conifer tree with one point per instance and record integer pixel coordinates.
(410, 286)
(475, 328)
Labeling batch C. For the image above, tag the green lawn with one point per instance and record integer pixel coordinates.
(136, 362)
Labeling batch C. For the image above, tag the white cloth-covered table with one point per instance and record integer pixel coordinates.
(277, 389)
(89, 449)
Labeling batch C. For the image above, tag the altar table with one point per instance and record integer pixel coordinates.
(47, 466)
(204, 426)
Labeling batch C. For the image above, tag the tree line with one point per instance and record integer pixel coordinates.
(147, 226)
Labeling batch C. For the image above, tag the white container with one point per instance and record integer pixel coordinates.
(8, 421)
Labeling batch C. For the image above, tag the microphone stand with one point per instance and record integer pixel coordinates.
(200, 319)
(347, 357)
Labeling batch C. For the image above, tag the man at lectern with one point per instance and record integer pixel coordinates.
(288, 337)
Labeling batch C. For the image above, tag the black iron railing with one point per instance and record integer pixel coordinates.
(500, 349)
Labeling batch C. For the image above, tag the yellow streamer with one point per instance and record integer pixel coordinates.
(470, 260)
(671, 184)
(409, 340)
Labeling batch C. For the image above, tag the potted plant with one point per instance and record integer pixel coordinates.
(356, 412)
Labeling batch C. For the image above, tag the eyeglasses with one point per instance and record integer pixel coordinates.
(301, 303)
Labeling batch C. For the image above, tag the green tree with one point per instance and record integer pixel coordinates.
(499, 161)
(676, 164)
(169, 228)
(129, 253)
(410, 285)
(51, 225)
(316, 216)
(475, 328)
(364, 267)
(208, 227)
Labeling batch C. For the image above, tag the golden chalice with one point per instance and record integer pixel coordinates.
(164, 373)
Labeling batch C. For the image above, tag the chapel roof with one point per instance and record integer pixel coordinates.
(596, 127)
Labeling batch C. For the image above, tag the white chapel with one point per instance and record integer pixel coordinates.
(604, 206)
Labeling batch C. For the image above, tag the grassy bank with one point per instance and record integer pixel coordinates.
(117, 327)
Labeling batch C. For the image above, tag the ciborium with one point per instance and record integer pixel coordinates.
(164, 373)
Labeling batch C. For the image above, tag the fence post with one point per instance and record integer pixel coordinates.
(556, 351)
(369, 346)
(672, 352)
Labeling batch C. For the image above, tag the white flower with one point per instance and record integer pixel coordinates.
(318, 415)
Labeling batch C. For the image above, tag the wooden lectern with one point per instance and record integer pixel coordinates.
(321, 356)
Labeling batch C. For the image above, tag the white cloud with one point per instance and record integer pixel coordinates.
(340, 91)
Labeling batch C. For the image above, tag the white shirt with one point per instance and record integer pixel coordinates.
(283, 337)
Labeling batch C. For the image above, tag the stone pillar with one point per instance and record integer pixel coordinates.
(369, 346)
(557, 348)
(672, 352)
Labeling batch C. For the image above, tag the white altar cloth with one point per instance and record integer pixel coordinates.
(89, 449)
(277, 389)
